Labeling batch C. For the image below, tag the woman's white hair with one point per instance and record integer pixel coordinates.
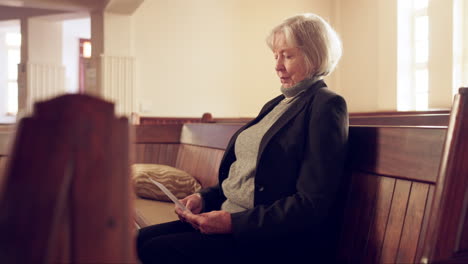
(315, 38)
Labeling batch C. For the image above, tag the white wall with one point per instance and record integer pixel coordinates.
(440, 64)
(45, 41)
(118, 39)
(209, 56)
(73, 30)
(368, 69)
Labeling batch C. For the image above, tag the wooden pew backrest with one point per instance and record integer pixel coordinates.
(196, 148)
(401, 118)
(393, 172)
(66, 196)
(408, 195)
(447, 240)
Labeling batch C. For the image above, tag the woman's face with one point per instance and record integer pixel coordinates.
(290, 62)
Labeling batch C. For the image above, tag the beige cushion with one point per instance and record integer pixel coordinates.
(179, 182)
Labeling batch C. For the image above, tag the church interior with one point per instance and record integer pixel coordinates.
(97, 94)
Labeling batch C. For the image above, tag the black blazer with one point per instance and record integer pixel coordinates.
(299, 173)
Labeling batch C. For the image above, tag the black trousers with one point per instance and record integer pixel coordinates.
(179, 242)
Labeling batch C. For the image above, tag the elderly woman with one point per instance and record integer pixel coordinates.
(281, 178)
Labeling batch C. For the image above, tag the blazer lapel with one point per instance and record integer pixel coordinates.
(290, 113)
(268, 107)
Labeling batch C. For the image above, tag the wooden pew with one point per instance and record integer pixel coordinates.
(404, 179)
(401, 118)
(408, 185)
(447, 239)
(206, 118)
(66, 196)
(147, 120)
(194, 148)
(394, 170)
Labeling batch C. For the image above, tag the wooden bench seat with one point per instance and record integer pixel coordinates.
(196, 148)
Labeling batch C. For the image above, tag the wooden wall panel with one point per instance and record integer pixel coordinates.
(209, 135)
(424, 227)
(395, 221)
(401, 120)
(411, 153)
(156, 153)
(351, 218)
(157, 133)
(200, 162)
(413, 220)
(148, 120)
(3, 167)
(6, 140)
(384, 196)
(386, 216)
(358, 215)
(367, 188)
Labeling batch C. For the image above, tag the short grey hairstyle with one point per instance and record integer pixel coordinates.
(315, 38)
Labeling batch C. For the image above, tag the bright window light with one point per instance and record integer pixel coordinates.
(87, 49)
(413, 55)
(421, 81)
(420, 4)
(12, 104)
(13, 39)
(421, 28)
(14, 57)
(422, 101)
(421, 51)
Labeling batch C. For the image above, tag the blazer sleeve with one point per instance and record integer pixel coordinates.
(318, 183)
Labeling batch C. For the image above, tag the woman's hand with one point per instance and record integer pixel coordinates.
(193, 202)
(214, 222)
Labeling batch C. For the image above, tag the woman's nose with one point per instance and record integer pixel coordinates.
(279, 65)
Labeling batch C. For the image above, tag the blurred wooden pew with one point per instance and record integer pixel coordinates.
(66, 194)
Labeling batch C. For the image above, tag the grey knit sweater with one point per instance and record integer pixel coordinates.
(239, 186)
